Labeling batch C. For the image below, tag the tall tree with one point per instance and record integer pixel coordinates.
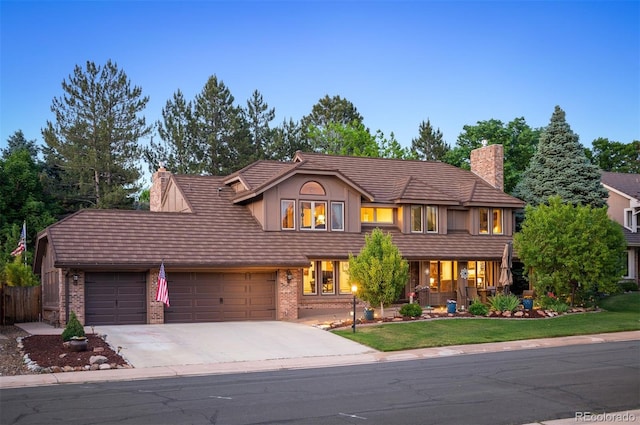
(517, 138)
(221, 133)
(332, 110)
(286, 140)
(17, 141)
(560, 167)
(429, 145)
(259, 115)
(574, 250)
(177, 151)
(615, 156)
(94, 141)
(344, 139)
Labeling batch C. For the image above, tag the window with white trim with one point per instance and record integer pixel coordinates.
(337, 216)
(432, 219)
(287, 214)
(313, 215)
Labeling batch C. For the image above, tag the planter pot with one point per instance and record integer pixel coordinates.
(78, 344)
(527, 303)
(368, 315)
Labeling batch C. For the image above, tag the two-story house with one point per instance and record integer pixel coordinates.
(624, 207)
(274, 238)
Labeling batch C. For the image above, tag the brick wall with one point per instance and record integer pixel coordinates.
(155, 309)
(160, 181)
(487, 162)
(287, 296)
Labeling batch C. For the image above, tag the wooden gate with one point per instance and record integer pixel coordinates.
(20, 304)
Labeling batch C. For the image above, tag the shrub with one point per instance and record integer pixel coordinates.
(501, 302)
(628, 285)
(477, 308)
(73, 328)
(411, 310)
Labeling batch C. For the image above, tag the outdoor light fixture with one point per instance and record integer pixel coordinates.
(289, 276)
(75, 278)
(354, 289)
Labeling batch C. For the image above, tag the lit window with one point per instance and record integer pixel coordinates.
(313, 215)
(484, 221)
(376, 215)
(432, 219)
(309, 280)
(497, 222)
(288, 217)
(343, 277)
(416, 218)
(328, 280)
(337, 216)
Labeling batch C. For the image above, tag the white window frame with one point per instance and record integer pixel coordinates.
(335, 223)
(631, 219)
(313, 215)
(284, 202)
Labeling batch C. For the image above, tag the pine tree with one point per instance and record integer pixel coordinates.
(93, 146)
(560, 167)
(259, 115)
(429, 145)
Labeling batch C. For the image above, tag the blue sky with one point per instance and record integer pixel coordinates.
(400, 63)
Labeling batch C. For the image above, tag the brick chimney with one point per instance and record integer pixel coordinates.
(487, 162)
(160, 181)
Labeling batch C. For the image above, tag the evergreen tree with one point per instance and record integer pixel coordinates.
(429, 145)
(286, 140)
(560, 167)
(221, 133)
(17, 142)
(258, 116)
(92, 147)
(177, 151)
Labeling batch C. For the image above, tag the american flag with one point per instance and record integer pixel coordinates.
(22, 244)
(162, 293)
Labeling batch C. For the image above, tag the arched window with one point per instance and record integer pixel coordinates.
(312, 188)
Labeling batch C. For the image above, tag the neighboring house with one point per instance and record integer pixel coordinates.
(274, 238)
(624, 207)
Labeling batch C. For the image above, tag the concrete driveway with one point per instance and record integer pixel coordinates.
(223, 342)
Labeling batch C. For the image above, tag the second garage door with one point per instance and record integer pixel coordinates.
(219, 297)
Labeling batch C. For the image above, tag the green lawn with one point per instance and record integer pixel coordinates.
(622, 313)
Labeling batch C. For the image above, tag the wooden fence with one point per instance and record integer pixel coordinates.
(20, 304)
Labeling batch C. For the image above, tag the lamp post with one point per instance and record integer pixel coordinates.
(354, 289)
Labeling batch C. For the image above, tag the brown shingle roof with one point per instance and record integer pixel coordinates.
(219, 233)
(624, 182)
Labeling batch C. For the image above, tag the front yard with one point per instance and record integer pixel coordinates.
(621, 313)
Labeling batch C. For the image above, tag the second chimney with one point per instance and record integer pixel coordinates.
(487, 162)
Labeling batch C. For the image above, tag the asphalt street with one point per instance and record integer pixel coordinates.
(510, 387)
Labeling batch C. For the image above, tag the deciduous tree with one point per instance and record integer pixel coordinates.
(574, 250)
(378, 270)
(615, 156)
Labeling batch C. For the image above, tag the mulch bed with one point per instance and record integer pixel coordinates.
(50, 352)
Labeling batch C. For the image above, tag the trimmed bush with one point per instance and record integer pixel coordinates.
(73, 328)
(478, 309)
(411, 310)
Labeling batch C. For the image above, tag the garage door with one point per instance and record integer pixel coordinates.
(115, 298)
(219, 297)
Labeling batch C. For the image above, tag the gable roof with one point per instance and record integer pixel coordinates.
(221, 233)
(624, 183)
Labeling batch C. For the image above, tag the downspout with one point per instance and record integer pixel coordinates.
(66, 297)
